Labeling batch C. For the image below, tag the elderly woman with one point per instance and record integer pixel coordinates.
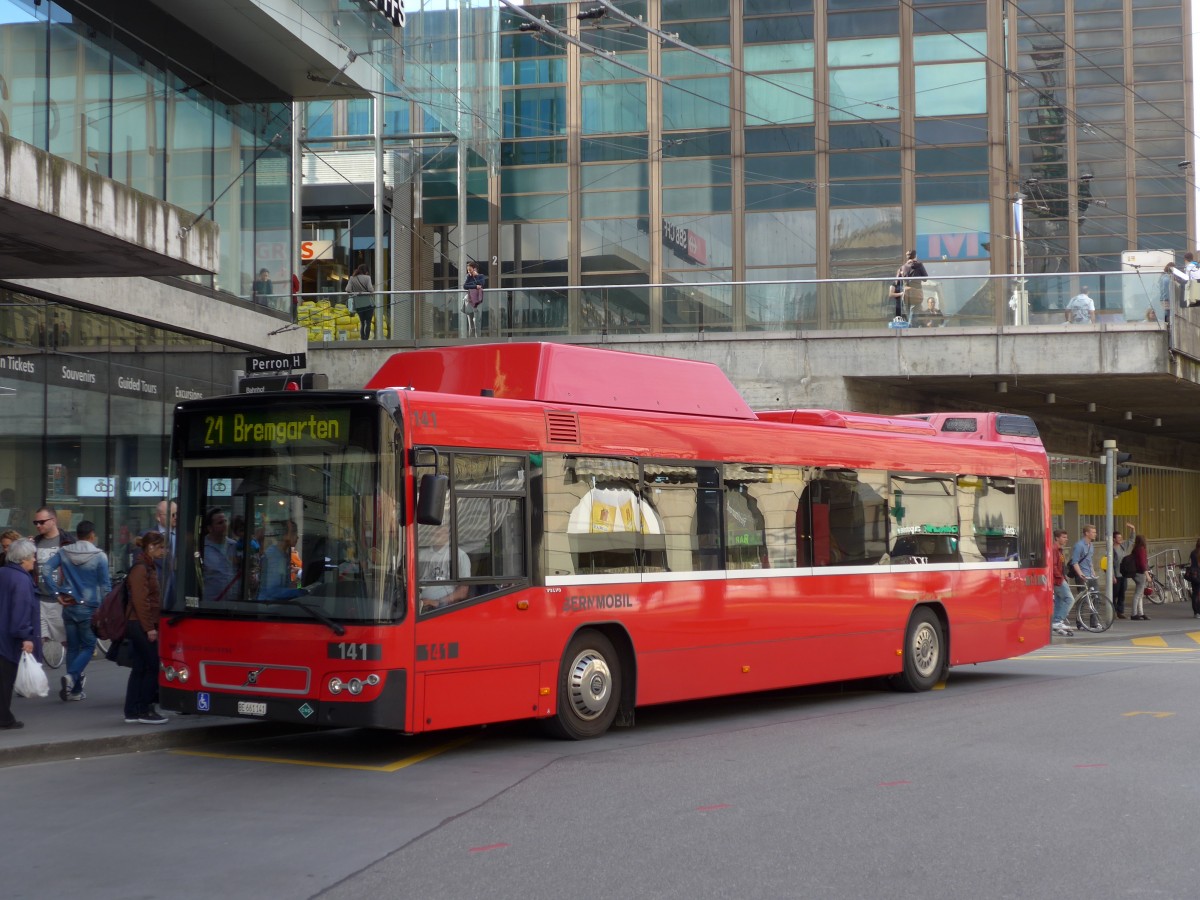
(20, 621)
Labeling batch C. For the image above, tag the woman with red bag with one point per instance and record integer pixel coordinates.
(1141, 565)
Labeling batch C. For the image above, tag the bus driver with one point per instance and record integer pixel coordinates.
(435, 567)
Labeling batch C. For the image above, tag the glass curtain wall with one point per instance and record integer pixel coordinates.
(805, 140)
(86, 400)
(1100, 106)
(715, 176)
(76, 86)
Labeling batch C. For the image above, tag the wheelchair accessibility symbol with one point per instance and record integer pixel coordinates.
(203, 702)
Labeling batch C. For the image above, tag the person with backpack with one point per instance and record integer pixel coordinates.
(85, 582)
(1122, 569)
(141, 630)
(1141, 565)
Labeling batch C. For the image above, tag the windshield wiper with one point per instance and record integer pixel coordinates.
(315, 612)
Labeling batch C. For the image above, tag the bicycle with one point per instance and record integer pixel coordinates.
(1159, 591)
(1091, 610)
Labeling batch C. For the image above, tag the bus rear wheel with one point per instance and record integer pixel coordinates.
(589, 688)
(924, 653)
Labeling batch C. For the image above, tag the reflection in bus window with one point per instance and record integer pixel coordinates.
(745, 529)
(989, 517)
(596, 521)
(761, 503)
(924, 515)
(687, 501)
(845, 514)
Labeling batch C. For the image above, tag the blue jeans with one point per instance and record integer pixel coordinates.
(81, 640)
(1062, 601)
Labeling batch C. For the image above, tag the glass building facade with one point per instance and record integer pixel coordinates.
(86, 401)
(81, 87)
(794, 139)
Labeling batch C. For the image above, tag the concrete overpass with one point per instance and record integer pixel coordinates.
(1135, 382)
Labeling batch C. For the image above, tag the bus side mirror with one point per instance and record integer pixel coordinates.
(431, 499)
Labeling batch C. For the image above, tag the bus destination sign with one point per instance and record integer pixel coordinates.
(279, 428)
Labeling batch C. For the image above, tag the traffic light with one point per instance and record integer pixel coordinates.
(306, 381)
(1121, 471)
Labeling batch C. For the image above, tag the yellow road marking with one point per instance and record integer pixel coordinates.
(1149, 641)
(390, 767)
(1194, 635)
(940, 686)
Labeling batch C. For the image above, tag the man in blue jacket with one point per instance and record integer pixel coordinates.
(86, 581)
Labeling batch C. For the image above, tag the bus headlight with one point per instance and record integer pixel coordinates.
(169, 672)
(335, 685)
(372, 679)
(354, 686)
(183, 674)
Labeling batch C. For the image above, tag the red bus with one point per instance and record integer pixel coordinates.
(501, 532)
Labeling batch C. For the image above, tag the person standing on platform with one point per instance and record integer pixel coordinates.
(1062, 591)
(1193, 570)
(1141, 568)
(474, 284)
(1082, 309)
(362, 298)
(49, 540)
(20, 625)
(1119, 578)
(87, 580)
(263, 288)
(141, 630)
(911, 273)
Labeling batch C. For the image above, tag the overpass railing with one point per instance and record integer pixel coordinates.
(940, 301)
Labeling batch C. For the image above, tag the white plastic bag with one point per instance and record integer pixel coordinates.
(31, 679)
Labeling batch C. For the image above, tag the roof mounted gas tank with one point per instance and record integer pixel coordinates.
(569, 375)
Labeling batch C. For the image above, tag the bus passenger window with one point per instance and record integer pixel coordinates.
(762, 505)
(924, 519)
(845, 512)
(596, 521)
(988, 518)
(480, 549)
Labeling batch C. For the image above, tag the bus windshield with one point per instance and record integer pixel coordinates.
(287, 524)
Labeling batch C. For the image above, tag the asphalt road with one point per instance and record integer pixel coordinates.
(1067, 773)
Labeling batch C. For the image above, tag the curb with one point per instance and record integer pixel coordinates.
(1169, 626)
(57, 751)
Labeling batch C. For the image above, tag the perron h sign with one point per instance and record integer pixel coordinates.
(259, 365)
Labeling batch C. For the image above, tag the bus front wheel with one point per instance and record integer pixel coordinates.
(589, 687)
(924, 653)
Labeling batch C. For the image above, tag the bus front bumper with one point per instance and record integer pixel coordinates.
(386, 710)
